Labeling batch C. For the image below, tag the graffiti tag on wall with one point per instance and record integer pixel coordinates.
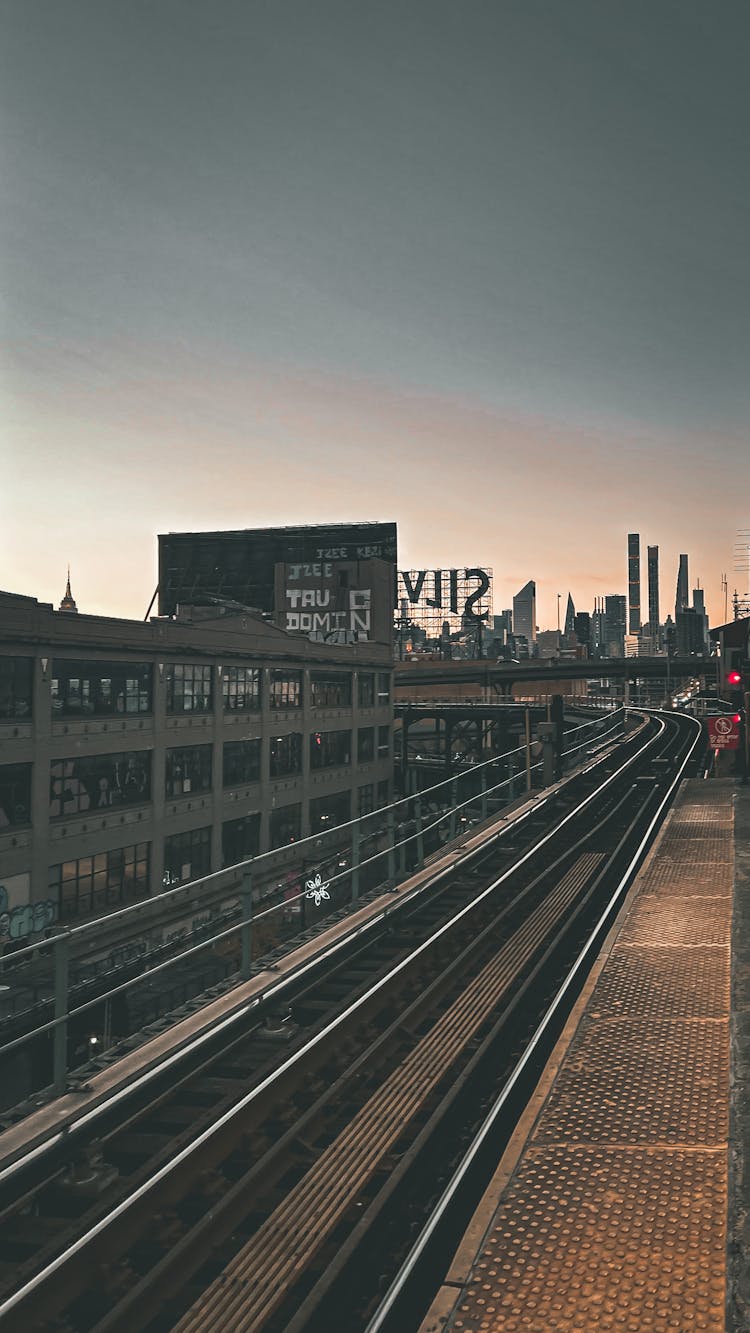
(18, 916)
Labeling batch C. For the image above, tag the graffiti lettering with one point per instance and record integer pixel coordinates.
(19, 919)
(129, 952)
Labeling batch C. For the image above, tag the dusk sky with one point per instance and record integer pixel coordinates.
(478, 267)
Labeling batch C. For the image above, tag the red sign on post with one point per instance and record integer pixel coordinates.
(723, 733)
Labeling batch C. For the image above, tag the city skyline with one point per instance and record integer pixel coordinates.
(483, 273)
(502, 594)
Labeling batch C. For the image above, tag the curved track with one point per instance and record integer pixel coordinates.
(262, 1168)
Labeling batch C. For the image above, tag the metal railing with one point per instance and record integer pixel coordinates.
(326, 873)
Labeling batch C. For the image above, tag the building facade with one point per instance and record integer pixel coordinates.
(654, 620)
(615, 624)
(135, 756)
(524, 613)
(241, 566)
(634, 583)
(682, 600)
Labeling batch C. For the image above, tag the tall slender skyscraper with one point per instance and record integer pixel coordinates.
(653, 593)
(524, 612)
(634, 582)
(699, 606)
(570, 617)
(681, 599)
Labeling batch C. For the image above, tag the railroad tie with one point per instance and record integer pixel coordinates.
(256, 1281)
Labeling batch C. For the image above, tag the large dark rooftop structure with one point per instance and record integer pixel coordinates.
(197, 567)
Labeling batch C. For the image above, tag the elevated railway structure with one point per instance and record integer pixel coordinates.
(500, 678)
(247, 1183)
(94, 990)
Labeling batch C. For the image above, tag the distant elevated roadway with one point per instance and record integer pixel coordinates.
(502, 676)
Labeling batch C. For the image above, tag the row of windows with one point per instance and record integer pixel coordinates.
(15, 687)
(95, 688)
(15, 795)
(98, 782)
(328, 690)
(330, 749)
(95, 884)
(101, 782)
(366, 743)
(101, 688)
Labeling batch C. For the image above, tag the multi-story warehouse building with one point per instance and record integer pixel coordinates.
(137, 755)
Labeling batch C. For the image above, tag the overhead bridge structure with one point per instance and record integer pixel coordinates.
(501, 677)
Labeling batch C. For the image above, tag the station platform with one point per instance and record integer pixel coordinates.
(623, 1199)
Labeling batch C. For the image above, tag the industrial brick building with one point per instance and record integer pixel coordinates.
(136, 755)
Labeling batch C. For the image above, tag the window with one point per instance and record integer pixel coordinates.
(188, 769)
(366, 799)
(366, 689)
(286, 754)
(328, 811)
(95, 883)
(100, 688)
(382, 794)
(328, 749)
(286, 689)
(365, 744)
(15, 687)
(240, 839)
(241, 689)
(189, 689)
(328, 690)
(15, 795)
(384, 687)
(384, 742)
(285, 825)
(241, 762)
(97, 782)
(187, 856)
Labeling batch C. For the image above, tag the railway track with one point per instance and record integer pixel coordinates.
(240, 1194)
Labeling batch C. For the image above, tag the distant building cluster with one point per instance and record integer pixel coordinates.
(686, 634)
(615, 626)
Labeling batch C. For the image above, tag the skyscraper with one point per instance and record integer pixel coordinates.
(598, 629)
(582, 626)
(699, 606)
(634, 582)
(653, 594)
(681, 599)
(614, 629)
(570, 616)
(524, 612)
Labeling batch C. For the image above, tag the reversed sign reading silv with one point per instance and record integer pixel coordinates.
(723, 733)
(432, 598)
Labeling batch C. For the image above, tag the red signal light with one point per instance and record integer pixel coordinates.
(737, 718)
(734, 678)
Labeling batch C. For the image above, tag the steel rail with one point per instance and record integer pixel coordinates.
(189, 889)
(261, 1267)
(13, 1302)
(132, 982)
(385, 1309)
(185, 1050)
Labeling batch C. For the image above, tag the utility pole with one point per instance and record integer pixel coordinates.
(725, 590)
